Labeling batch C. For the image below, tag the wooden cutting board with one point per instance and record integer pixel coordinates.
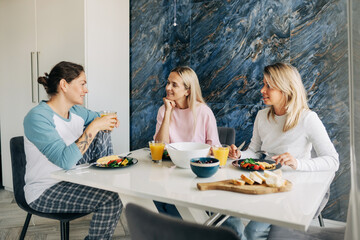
(227, 185)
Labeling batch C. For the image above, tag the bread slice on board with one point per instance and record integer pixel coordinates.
(247, 180)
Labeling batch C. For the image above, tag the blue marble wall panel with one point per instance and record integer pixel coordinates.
(156, 47)
(320, 27)
(143, 121)
(319, 51)
(336, 120)
(228, 43)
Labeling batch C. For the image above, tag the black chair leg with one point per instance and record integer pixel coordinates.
(321, 221)
(25, 227)
(64, 229)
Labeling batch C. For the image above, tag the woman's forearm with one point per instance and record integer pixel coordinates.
(86, 138)
(163, 134)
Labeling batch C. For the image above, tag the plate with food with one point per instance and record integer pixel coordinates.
(115, 161)
(251, 164)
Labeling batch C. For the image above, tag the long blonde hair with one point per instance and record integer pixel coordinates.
(191, 83)
(287, 79)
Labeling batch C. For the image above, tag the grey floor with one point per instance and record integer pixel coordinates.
(12, 219)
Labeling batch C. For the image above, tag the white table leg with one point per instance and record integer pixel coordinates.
(193, 214)
(146, 203)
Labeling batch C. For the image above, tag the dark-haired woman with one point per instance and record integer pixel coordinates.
(60, 134)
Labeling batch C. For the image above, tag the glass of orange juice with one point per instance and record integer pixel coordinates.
(157, 150)
(105, 113)
(221, 152)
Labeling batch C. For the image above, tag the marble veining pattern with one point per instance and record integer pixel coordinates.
(228, 43)
(320, 28)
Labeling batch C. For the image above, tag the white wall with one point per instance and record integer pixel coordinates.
(109, 87)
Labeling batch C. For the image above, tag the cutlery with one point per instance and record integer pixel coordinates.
(126, 155)
(264, 154)
(241, 145)
(81, 167)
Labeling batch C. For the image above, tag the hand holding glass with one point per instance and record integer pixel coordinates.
(157, 150)
(105, 113)
(221, 152)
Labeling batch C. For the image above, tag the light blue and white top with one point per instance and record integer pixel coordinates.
(50, 145)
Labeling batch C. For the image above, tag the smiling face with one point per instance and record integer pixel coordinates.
(77, 89)
(175, 88)
(272, 96)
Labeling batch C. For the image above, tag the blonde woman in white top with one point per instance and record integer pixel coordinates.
(288, 131)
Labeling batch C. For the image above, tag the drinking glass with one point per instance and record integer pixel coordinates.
(221, 152)
(157, 150)
(105, 113)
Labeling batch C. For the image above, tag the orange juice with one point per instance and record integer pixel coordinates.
(221, 153)
(157, 150)
(102, 115)
(105, 113)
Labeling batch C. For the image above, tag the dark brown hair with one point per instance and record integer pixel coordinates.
(63, 70)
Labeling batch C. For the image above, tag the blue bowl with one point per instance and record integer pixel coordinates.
(202, 168)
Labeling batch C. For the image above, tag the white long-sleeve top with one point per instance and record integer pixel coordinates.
(309, 133)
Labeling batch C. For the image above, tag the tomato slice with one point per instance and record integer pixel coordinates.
(112, 161)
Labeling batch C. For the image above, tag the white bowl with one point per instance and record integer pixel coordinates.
(186, 151)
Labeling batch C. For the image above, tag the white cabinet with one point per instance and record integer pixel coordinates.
(60, 34)
(94, 33)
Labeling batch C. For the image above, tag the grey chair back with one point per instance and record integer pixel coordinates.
(145, 225)
(226, 135)
(18, 163)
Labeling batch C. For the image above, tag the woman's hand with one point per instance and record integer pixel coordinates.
(169, 104)
(107, 122)
(234, 152)
(286, 159)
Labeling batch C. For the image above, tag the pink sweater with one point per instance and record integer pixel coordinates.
(182, 121)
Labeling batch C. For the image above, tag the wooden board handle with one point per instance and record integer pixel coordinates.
(211, 185)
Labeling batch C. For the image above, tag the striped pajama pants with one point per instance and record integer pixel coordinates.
(68, 197)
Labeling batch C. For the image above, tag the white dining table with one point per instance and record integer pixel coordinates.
(147, 181)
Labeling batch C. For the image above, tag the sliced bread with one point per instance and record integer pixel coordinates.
(247, 180)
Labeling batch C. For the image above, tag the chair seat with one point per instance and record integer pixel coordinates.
(63, 217)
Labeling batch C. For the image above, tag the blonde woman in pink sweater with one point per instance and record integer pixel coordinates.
(184, 117)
